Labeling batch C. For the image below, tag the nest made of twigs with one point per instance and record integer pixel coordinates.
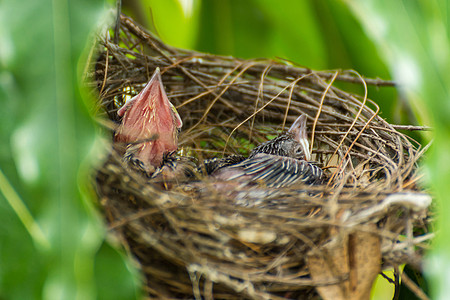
(193, 241)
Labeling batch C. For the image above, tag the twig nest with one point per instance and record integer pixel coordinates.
(193, 239)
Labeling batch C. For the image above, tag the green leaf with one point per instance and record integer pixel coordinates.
(49, 236)
(113, 275)
(175, 22)
(258, 28)
(413, 37)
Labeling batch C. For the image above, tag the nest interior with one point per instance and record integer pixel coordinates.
(192, 240)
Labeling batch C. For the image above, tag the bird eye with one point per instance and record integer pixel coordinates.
(299, 153)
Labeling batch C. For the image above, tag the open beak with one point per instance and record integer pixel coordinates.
(147, 115)
(155, 83)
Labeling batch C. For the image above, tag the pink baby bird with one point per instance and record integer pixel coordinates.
(150, 126)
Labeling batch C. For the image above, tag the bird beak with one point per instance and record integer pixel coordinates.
(305, 145)
(157, 78)
(155, 81)
(298, 130)
(150, 114)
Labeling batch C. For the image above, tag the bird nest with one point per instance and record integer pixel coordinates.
(192, 239)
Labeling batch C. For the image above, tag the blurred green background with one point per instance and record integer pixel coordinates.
(52, 241)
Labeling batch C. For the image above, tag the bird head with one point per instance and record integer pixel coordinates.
(298, 133)
(149, 125)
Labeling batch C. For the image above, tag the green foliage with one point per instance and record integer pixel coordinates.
(112, 275)
(252, 29)
(413, 37)
(49, 235)
(175, 24)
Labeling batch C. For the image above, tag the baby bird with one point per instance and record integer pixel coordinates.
(149, 131)
(276, 163)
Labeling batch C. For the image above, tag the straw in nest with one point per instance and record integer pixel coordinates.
(193, 241)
